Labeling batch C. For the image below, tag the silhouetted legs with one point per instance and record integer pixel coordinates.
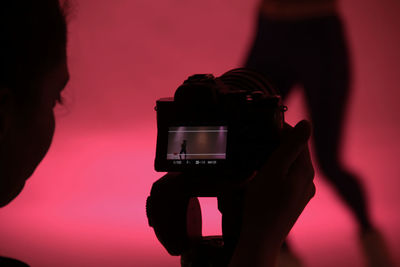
(313, 53)
(182, 152)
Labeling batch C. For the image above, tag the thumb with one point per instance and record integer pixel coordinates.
(294, 141)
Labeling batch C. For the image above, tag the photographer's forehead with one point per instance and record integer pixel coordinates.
(63, 75)
(58, 77)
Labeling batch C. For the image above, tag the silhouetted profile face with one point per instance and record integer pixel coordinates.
(27, 132)
(33, 74)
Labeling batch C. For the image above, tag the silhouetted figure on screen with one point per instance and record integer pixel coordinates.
(303, 43)
(33, 71)
(183, 149)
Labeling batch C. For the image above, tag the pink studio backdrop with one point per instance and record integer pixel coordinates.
(85, 205)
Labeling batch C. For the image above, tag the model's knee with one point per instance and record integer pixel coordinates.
(339, 176)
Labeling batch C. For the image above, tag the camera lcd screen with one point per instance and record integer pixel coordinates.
(199, 145)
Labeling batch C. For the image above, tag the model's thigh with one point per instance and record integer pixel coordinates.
(269, 54)
(325, 77)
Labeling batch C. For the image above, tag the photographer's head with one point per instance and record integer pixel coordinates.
(33, 71)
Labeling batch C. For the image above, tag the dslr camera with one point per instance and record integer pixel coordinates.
(227, 123)
(213, 134)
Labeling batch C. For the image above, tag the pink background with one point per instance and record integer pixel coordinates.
(85, 205)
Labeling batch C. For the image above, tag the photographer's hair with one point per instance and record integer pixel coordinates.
(33, 38)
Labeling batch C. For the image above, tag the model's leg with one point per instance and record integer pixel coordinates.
(269, 54)
(326, 83)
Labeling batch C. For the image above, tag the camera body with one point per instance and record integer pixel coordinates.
(230, 123)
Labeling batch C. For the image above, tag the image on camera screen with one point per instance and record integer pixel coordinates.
(187, 143)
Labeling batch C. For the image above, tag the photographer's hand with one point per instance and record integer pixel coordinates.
(275, 198)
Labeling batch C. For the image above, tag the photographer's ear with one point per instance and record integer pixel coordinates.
(6, 103)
